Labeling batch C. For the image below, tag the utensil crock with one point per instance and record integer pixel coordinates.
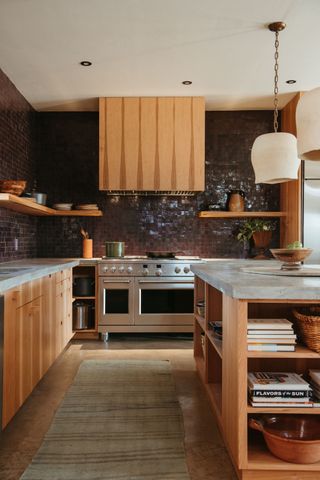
(87, 247)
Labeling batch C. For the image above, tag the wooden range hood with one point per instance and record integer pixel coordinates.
(151, 144)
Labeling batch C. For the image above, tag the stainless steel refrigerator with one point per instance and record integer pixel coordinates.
(311, 209)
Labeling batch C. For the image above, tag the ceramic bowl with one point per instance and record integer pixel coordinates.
(293, 438)
(14, 187)
(292, 257)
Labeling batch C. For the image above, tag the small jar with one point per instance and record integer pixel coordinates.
(236, 201)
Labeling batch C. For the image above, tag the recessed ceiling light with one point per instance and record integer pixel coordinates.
(186, 82)
(291, 81)
(86, 63)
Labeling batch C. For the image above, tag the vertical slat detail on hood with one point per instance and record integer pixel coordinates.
(191, 164)
(103, 163)
(148, 140)
(156, 160)
(123, 175)
(140, 169)
(174, 158)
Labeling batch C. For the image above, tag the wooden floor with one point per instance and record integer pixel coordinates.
(206, 455)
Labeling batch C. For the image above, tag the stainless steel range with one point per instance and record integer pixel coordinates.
(139, 294)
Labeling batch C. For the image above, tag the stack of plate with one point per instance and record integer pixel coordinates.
(62, 206)
(87, 206)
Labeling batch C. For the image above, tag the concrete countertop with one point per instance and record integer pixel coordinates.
(31, 269)
(227, 277)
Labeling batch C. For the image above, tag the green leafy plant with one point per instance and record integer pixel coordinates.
(248, 228)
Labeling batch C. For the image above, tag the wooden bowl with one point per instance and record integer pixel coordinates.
(15, 187)
(293, 438)
(292, 257)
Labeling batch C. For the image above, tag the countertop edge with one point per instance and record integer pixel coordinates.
(36, 272)
(250, 289)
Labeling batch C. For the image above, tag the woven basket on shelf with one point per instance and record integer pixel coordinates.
(308, 323)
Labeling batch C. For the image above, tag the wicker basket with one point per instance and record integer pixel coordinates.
(308, 323)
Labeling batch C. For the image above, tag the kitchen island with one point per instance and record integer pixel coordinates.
(232, 296)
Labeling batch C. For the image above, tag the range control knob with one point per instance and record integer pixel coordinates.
(158, 272)
(113, 269)
(129, 269)
(145, 271)
(105, 269)
(177, 269)
(121, 269)
(186, 269)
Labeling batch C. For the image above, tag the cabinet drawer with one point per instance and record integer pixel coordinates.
(63, 275)
(26, 292)
(63, 286)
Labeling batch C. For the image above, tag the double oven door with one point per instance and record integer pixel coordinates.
(146, 301)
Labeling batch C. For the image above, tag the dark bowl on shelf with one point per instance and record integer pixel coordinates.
(293, 438)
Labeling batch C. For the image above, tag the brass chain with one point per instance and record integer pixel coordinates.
(276, 79)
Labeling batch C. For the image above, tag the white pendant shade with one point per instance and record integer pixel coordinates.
(308, 125)
(274, 158)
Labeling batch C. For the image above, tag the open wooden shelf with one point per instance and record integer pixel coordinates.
(301, 352)
(201, 322)
(216, 343)
(278, 410)
(28, 207)
(225, 214)
(78, 213)
(259, 458)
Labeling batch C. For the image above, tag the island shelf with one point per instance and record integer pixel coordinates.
(223, 365)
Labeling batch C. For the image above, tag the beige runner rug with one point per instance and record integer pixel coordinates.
(120, 420)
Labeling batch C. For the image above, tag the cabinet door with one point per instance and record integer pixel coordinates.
(35, 309)
(152, 143)
(48, 322)
(67, 332)
(11, 363)
(22, 365)
(29, 338)
(58, 324)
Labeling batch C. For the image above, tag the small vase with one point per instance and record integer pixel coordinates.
(261, 242)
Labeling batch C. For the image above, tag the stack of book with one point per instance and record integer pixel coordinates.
(315, 384)
(270, 335)
(278, 389)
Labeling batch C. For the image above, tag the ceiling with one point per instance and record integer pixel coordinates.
(148, 47)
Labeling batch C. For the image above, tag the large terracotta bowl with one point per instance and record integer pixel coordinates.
(293, 438)
(291, 257)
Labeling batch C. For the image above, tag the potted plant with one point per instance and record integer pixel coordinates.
(258, 229)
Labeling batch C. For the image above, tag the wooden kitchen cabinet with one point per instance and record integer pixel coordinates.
(37, 326)
(22, 357)
(63, 309)
(151, 143)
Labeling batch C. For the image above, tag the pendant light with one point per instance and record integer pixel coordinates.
(308, 125)
(274, 155)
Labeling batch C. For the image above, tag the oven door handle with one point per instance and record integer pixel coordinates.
(166, 281)
(116, 281)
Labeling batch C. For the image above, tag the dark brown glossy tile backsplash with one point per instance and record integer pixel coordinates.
(17, 161)
(68, 172)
